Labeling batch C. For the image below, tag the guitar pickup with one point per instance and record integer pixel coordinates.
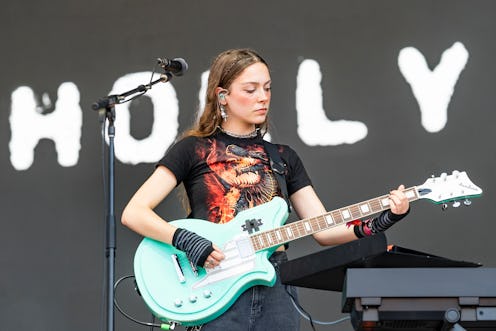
(177, 267)
(245, 248)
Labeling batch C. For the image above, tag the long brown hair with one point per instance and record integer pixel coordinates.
(225, 68)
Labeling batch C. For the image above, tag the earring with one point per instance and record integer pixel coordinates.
(223, 113)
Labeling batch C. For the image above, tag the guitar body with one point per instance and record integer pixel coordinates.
(174, 291)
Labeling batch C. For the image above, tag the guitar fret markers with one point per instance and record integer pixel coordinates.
(410, 194)
(290, 233)
(346, 214)
(329, 219)
(333, 218)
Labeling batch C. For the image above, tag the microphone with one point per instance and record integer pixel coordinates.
(176, 66)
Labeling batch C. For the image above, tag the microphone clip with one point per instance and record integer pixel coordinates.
(177, 66)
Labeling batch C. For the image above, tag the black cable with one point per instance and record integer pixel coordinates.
(146, 89)
(297, 305)
(307, 316)
(153, 321)
(151, 325)
(132, 98)
(153, 73)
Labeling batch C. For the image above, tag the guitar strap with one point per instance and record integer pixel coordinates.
(279, 169)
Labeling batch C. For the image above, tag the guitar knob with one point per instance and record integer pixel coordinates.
(456, 204)
(207, 294)
(444, 206)
(178, 303)
(193, 299)
(467, 202)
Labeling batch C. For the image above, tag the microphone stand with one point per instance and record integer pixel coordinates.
(106, 106)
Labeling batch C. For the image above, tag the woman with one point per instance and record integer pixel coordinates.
(225, 169)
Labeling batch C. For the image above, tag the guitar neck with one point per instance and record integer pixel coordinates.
(302, 228)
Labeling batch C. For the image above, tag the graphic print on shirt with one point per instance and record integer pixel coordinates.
(241, 178)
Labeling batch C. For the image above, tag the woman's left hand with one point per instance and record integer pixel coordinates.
(398, 201)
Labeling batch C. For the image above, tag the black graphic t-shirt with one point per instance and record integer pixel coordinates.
(224, 175)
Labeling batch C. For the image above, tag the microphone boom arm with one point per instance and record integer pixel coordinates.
(111, 100)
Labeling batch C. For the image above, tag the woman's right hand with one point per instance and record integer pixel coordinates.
(214, 258)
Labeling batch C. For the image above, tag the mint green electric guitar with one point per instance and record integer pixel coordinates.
(176, 291)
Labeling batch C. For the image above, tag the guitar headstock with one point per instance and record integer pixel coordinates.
(446, 188)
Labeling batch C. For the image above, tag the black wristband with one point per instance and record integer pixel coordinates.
(378, 224)
(385, 220)
(196, 247)
(395, 217)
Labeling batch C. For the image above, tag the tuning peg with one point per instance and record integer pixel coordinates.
(456, 204)
(444, 206)
(467, 202)
(444, 176)
(456, 173)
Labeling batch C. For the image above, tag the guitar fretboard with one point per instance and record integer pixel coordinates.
(289, 232)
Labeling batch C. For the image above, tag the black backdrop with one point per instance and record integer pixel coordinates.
(52, 238)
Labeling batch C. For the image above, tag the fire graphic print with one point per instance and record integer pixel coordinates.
(241, 178)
